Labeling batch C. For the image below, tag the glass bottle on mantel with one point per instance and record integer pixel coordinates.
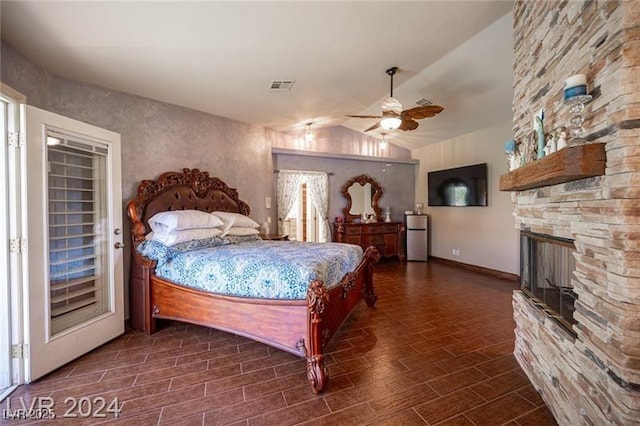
(539, 128)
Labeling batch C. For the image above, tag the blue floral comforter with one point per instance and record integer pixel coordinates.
(258, 269)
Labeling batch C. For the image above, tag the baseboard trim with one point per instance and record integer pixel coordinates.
(480, 269)
(7, 391)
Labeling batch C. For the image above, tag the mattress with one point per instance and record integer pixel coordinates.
(256, 269)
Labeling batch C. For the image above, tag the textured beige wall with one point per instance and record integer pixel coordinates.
(485, 236)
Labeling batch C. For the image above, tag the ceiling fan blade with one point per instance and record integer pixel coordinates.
(421, 112)
(408, 124)
(363, 116)
(375, 126)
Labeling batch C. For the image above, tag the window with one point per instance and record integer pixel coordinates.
(77, 225)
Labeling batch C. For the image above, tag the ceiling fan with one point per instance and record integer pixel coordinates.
(393, 117)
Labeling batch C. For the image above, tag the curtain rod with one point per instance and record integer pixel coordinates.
(304, 171)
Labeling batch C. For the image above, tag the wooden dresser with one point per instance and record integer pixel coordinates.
(385, 236)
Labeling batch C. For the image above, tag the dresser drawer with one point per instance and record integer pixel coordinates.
(353, 239)
(374, 239)
(391, 228)
(372, 229)
(353, 230)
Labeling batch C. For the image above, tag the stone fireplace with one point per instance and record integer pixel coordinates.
(587, 370)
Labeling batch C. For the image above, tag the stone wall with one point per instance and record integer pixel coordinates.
(594, 376)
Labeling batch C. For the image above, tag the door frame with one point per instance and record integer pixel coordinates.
(12, 168)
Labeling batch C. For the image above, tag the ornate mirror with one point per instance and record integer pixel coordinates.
(362, 194)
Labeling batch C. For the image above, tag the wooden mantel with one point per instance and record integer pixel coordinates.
(565, 165)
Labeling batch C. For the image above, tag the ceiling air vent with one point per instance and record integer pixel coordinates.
(423, 102)
(281, 85)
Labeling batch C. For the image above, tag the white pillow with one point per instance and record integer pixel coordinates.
(226, 224)
(240, 231)
(178, 220)
(177, 237)
(235, 219)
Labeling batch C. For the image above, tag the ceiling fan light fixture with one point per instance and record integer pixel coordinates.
(308, 134)
(383, 141)
(390, 123)
(391, 110)
(391, 105)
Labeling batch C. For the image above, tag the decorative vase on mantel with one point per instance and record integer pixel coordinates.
(576, 107)
(575, 96)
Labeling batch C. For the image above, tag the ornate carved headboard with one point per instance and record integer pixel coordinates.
(191, 189)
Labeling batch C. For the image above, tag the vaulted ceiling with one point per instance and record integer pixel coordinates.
(220, 57)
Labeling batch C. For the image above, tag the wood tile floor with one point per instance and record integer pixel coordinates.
(436, 350)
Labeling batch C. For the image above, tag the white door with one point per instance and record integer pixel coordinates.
(74, 287)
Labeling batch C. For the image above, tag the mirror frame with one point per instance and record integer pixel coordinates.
(362, 180)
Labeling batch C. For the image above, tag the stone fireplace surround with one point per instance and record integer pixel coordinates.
(594, 376)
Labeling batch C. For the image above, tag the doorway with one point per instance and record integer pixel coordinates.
(303, 204)
(60, 192)
(301, 224)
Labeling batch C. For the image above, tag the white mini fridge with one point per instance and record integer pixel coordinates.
(417, 237)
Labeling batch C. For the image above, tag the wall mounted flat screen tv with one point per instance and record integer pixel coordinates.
(458, 187)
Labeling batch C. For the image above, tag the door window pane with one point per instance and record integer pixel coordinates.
(78, 251)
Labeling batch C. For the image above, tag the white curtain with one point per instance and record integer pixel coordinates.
(287, 191)
(318, 187)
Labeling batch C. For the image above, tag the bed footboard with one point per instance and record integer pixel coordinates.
(327, 310)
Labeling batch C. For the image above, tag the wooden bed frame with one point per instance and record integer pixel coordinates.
(301, 327)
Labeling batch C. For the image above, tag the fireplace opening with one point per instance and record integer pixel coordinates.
(547, 265)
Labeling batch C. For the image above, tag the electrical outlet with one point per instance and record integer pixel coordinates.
(267, 202)
(269, 219)
(455, 252)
